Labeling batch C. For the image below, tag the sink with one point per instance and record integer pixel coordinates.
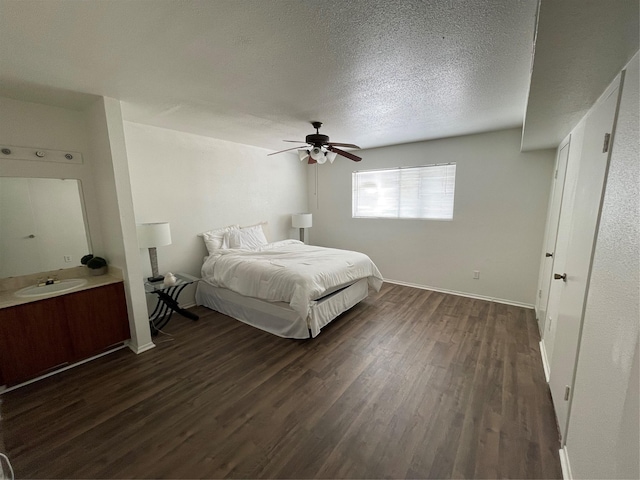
(62, 286)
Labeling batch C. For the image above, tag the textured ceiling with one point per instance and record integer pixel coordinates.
(581, 45)
(376, 72)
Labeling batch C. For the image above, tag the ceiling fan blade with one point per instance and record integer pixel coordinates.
(294, 148)
(350, 145)
(311, 161)
(294, 141)
(348, 155)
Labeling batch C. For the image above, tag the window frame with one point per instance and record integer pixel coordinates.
(399, 206)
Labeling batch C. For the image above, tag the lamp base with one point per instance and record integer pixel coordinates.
(155, 276)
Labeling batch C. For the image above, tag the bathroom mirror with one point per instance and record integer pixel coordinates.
(42, 225)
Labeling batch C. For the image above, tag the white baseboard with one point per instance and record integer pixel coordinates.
(137, 349)
(565, 464)
(540, 332)
(545, 360)
(461, 294)
(540, 327)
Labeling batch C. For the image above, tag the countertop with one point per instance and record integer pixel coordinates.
(9, 286)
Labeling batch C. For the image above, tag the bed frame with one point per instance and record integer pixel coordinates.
(279, 318)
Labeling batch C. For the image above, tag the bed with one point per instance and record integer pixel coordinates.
(286, 288)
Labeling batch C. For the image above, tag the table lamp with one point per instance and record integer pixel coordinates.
(301, 221)
(152, 235)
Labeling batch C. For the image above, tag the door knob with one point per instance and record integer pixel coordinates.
(548, 254)
(562, 277)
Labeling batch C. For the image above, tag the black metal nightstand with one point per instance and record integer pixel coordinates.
(168, 301)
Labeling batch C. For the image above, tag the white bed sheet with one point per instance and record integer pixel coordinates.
(277, 317)
(289, 271)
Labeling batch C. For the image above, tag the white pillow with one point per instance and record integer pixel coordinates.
(246, 238)
(215, 239)
(265, 229)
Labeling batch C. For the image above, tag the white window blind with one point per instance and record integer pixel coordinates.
(407, 192)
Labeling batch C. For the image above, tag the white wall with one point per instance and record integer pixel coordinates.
(499, 216)
(603, 435)
(198, 183)
(113, 193)
(26, 124)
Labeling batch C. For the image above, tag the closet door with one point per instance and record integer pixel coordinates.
(562, 244)
(548, 255)
(574, 277)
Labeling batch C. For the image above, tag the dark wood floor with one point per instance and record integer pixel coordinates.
(409, 383)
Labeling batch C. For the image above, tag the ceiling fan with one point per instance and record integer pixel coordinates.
(319, 149)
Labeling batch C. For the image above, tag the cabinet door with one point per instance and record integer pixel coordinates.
(97, 319)
(33, 340)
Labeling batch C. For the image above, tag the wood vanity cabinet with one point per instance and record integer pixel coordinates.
(97, 319)
(41, 336)
(34, 338)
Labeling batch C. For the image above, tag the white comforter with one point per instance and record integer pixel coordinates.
(288, 271)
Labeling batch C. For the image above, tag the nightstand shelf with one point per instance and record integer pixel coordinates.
(168, 301)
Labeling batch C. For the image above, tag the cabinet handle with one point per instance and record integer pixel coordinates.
(31, 236)
(562, 277)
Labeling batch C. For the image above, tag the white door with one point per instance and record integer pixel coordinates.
(555, 207)
(577, 267)
(19, 236)
(562, 244)
(60, 224)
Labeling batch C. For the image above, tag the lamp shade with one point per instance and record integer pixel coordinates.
(153, 234)
(301, 220)
(303, 155)
(331, 156)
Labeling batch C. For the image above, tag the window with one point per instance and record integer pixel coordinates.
(407, 192)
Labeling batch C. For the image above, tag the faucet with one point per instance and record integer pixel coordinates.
(50, 280)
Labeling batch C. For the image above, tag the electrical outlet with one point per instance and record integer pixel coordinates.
(67, 259)
(476, 274)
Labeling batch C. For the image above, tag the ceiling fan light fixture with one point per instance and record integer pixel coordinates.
(317, 154)
(303, 155)
(320, 149)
